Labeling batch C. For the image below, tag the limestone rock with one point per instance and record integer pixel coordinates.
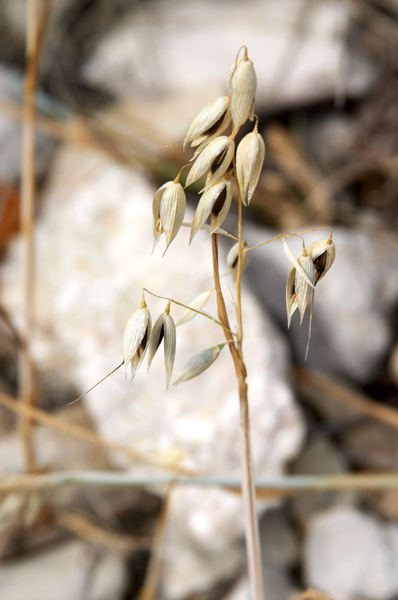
(152, 52)
(349, 554)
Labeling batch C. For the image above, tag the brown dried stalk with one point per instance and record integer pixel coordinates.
(248, 485)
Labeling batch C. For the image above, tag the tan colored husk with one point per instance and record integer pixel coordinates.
(206, 120)
(249, 162)
(168, 211)
(242, 86)
(232, 259)
(302, 289)
(199, 363)
(296, 264)
(206, 203)
(198, 303)
(291, 301)
(298, 289)
(164, 329)
(208, 155)
(136, 339)
(322, 253)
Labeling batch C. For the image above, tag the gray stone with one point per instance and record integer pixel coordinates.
(348, 554)
(372, 445)
(169, 49)
(320, 457)
(279, 544)
(93, 259)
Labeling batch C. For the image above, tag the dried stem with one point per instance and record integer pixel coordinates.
(26, 389)
(280, 485)
(248, 486)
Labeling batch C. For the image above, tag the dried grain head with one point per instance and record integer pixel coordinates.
(199, 363)
(249, 162)
(242, 86)
(136, 338)
(216, 157)
(299, 286)
(168, 210)
(215, 202)
(322, 253)
(197, 304)
(164, 329)
(210, 122)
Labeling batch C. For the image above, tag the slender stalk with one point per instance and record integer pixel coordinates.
(291, 484)
(35, 31)
(248, 486)
(26, 386)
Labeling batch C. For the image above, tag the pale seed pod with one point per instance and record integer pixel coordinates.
(296, 264)
(136, 338)
(164, 329)
(242, 86)
(297, 288)
(212, 120)
(168, 210)
(232, 259)
(323, 253)
(249, 162)
(199, 363)
(198, 303)
(216, 156)
(215, 201)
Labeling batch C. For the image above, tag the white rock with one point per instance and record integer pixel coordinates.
(60, 572)
(351, 331)
(93, 243)
(351, 555)
(181, 48)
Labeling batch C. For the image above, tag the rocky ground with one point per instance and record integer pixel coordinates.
(119, 83)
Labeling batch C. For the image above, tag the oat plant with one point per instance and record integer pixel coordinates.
(228, 171)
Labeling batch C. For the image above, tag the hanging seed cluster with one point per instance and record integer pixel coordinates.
(219, 161)
(213, 159)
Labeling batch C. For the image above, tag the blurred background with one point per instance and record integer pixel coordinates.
(118, 84)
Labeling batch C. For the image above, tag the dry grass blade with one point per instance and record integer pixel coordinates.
(35, 414)
(34, 35)
(152, 576)
(337, 392)
(85, 529)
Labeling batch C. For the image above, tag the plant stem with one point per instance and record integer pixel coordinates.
(248, 487)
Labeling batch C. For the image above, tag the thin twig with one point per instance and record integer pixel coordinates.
(26, 385)
(279, 484)
(35, 414)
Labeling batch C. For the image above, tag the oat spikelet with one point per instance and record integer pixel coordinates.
(212, 120)
(199, 363)
(242, 86)
(164, 330)
(249, 163)
(136, 338)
